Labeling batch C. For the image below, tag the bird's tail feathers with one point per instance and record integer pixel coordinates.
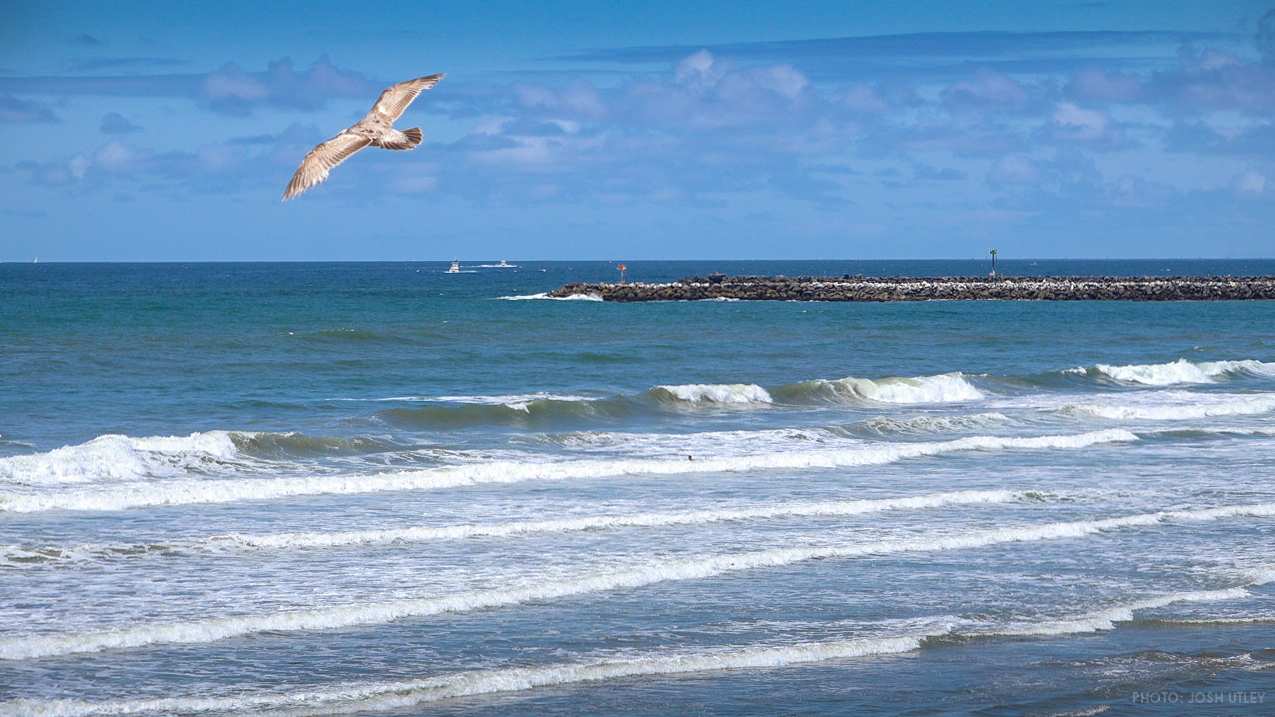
(407, 139)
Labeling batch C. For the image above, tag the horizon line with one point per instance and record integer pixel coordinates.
(22, 262)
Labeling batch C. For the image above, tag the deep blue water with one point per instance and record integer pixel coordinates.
(318, 488)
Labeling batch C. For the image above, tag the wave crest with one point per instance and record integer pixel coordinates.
(941, 388)
(115, 457)
(716, 393)
(448, 412)
(1175, 406)
(20, 555)
(544, 296)
(404, 694)
(185, 492)
(640, 575)
(1178, 372)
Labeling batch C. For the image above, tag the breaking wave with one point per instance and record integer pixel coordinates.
(660, 571)
(398, 695)
(403, 694)
(729, 393)
(181, 492)
(544, 296)
(943, 388)
(1108, 618)
(116, 457)
(1180, 371)
(1175, 405)
(447, 412)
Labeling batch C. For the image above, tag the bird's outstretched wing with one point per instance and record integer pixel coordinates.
(395, 100)
(320, 161)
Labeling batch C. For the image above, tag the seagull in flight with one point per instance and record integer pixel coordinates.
(376, 129)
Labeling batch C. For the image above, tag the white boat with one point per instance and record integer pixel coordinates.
(454, 268)
(506, 265)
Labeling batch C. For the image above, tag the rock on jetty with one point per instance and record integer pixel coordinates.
(860, 288)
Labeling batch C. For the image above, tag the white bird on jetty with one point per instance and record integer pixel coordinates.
(375, 129)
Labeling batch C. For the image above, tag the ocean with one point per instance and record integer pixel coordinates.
(379, 488)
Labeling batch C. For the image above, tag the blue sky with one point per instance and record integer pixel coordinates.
(617, 130)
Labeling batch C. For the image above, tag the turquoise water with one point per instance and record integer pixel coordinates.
(347, 488)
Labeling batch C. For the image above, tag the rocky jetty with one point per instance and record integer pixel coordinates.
(861, 288)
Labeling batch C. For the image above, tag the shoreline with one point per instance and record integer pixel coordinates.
(952, 288)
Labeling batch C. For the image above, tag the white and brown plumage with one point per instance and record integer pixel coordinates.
(376, 129)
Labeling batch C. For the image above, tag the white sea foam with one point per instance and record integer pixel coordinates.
(116, 458)
(379, 696)
(545, 296)
(640, 575)
(813, 509)
(716, 444)
(518, 402)
(185, 491)
(384, 696)
(1108, 618)
(935, 423)
(731, 393)
(943, 388)
(1174, 406)
(1183, 371)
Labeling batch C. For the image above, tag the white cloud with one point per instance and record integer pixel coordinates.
(1014, 169)
(1250, 183)
(698, 70)
(1082, 123)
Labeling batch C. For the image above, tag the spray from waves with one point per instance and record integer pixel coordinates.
(1176, 372)
(545, 297)
(386, 696)
(21, 555)
(943, 388)
(182, 492)
(1175, 406)
(701, 393)
(650, 573)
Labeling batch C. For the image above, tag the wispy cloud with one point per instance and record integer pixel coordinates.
(14, 110)
(116, 123)
(227, 90)
(924, 51)
(98, 64)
